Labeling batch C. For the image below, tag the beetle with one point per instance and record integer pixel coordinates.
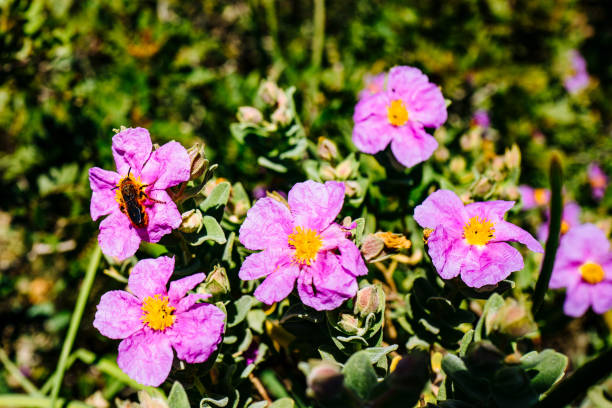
(131, 197)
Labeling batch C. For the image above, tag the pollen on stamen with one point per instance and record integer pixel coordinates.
(157, 313)
(307, 244)
(478, 231)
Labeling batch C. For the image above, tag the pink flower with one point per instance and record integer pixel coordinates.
(399, 116)
(569, 219)
(579, 77)
(373, 85)
(469, 240)
(584, 266)
(481, 118)
(598, 180)
(302, 243)
(534, 197)
(152, 212)
(152, 321)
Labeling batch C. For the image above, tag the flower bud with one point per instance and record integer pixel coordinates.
(441, 154)
(352, 188)
(512, 157)
(457, 164)
(513, 319)
(372, 246)
(369, 300)
(268, 92)
(326, 149)
(346, 168)
(482, 187)
(327, 172)
(349, 323)
(281, 115)
(199, 163)
(192, 221)
(249, 114)
(217, 282)
(324, 380)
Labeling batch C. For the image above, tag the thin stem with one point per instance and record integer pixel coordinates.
(75, 320)
(259, 387)
(16, 373)
(318, 39)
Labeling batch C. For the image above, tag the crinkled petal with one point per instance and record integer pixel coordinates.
(179, 288)
(490, 210)
(333, 236)
(315, 205)
(412, 145)
(278, 285)
(402, 79)
(506, 231)
(351, 259)
(168, 166)
(263, 263)
(325, 285)
(118, 325)
(372, 135)
(497, 261)
(146, 357)
(577, 300)
(131, 149)
(190, 300)
(117, 237)
(372, 106)
(150, 276)
(164, 217)
(442, 207)
(102, 180)
(197, 332)
(583, 242)
(267, 225)
(601, 297)
(447, 254)
(102, 183)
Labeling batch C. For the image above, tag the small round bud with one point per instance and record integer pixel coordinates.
(372, 246)
(369, 300)
(199, 164)
(268, 92)
(325, 381)
(326, 149)
(349, 323)
(192, 221)
(249, 114)
(327, 172)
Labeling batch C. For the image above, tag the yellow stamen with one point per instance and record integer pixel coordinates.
(306, 243)
(540, 196)
(592, 272)
(478, 232)
(157, 313)
(397, 113)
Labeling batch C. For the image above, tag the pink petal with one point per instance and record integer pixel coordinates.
(412, 145)
(197, 332)
(351, 259)
(571, 214)
(188, 301)
(497, 262)
(442, 207)
(506, 231)
(277, 285)
(490, 210)
(267, 225)
(577, 300)
(163, 217)
(325, 285)
(102, 180)
(102, 183)
(315, 205)
(263, 263)
(168, 166)
(372, 106)
(448, 254)
(402, 79)
(150, 276)
(582, 243)
(333, 236)
(146, 357)
(601, 297)
(118, 325)
(131, 149)
(180, 287)
(373, 134)
(117, 237)
(564, 274)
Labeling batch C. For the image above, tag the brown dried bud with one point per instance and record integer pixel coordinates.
(199, 163)
(326, 149)
(427, 233)
(394, 241)
(372, 246)
(249, 114)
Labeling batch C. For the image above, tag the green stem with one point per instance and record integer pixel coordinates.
(554, 230)
(20, 400)
(16, 373)
(318, 39)
(579, 382)
(75, 320)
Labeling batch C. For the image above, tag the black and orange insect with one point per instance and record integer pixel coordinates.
(131, 198)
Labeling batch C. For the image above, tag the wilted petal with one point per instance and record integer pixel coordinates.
(263, 263)
(442, 207)
(577, 300)
(267, 225)
(117, 237)
(197, 332)
(277, 285)
(118, 325)
(179, 288)
(506, 231)
(412, 145)
(150, 276)
(315, 205)
(168, 166)
(131, 149)
(146, 357)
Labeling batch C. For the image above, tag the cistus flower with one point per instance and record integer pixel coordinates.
(481, 118)
(598, 180)
(584, 266)
(534, 197)
(149, 213)
(373, 85)
(301, 242)
(469, 240)
(152, 321)
(399, 115)
(578, 79)
(569, 219)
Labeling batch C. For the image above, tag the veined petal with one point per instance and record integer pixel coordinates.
(117, 237)
(411, 145)
(131, 149)
(150, 276)
(491, 210)
(314, 205)
(263, 263)
(164, 217)
(168, 166)
(180, 287)
(506, 231)
(102, 183)
(351, 259)
(448, 254)
(373, 105)
(118, 325)
(442, 207)
(372, 134)
(497, 261)
(277, 285)
(267, 225)
(146, 357)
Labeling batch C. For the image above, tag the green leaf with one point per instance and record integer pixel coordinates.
(239, 309)
(359, 375)
(214, 401)
(214, 232)
(264, 162)
(456, 369)
(283, 403)
(178, 397)
(548, 367)
(217, 198)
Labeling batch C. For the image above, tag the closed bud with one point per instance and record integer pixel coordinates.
(217, 282)
(372, 246)
(441, 154)
(369, 300)
(349, 323)
(346, 168)
(324, 380)
(513, 319)
(326, 149)
(482, 187)
(192, 221)
(512, 157)
(327, 172)
(457, 164)
(268, 92)
(199, 163)
(352, 188)
(249, 114)
(281, 115)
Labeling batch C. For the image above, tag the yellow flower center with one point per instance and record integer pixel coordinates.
(539, 195)
(592, 272)
(564, 227)
(478, 232)
(397, 113)
(306, 243)
(157, 313)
